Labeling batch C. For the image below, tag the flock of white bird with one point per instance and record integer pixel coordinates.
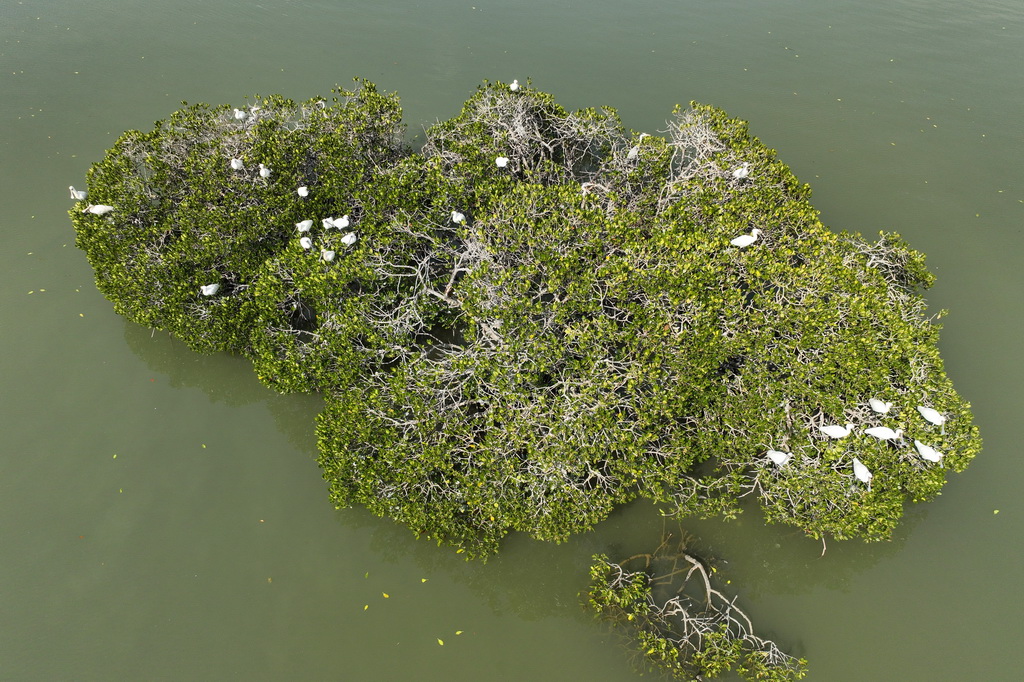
(306, 242)
(884, 433)
(304, 226)
(837, 431)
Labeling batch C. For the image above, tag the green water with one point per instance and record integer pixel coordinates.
(207, 550)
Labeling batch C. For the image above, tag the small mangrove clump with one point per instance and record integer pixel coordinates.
(679, 622)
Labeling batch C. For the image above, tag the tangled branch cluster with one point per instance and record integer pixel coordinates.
(679, 622)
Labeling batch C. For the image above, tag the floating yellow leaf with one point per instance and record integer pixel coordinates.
(386, 595)
(365, 606)
(995, 511)
(441, 642)
(458, 632)
(115, 456)
(423, 580)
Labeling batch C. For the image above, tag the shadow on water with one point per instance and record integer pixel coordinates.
(223, 378)
(534, 579)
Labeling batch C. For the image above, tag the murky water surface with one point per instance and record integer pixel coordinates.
(161, 514)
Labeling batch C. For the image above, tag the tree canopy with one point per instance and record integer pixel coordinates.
(538, 315)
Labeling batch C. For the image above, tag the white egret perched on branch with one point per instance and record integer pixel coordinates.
(339, 223)
(501, 161)
(349, 239)
(746, 239)
(240, 115)
(884, 433)
(210, 289)
(98, 209)
(862, 473)
(927, 452)
(778, 456)
(933, 416)
(303, 191)
(304, 226)
(306, 243)
(836, 431)
(264, 171)
(878, 406)
(742, 172)
(327, 255)
(514, 85)
(458, 218)
(76, 194)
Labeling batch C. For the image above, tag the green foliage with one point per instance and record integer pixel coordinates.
(583, 335)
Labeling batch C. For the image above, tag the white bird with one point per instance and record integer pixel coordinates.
(240, 115)
(458, 218)
(501, 161)
(514, 86)
(635, 151)
(778, 456)
(98, 209)
(237, 164)
(328, 223)
(742, 172)
(210, 289)
(306, 243)
(927, 452)
(327, 255)
(303, 191)
(341, 222)
(862, 473)
(878, 406)
(884, 433)
(934, 416)
(304, 225)
(746, 239)
(76, 194)
(349, 239)
(836, 431)
(264, 171)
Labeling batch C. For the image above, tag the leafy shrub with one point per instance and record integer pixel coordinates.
(537, 316)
